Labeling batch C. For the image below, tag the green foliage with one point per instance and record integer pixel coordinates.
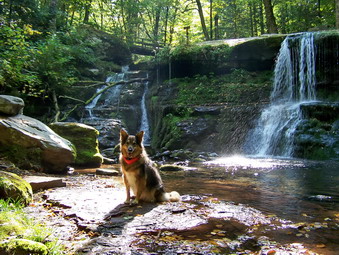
(15, 54)
(219, 53)
(15, 223)
(54, 66)
(232, 88)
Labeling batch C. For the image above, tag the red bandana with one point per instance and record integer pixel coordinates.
(131, 161)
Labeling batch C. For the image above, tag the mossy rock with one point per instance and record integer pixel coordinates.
(22, 247)
(14, 187)
(85, 140)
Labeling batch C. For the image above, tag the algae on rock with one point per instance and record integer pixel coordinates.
(13, 187)
(85, 140)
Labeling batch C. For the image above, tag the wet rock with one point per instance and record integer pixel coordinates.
(109, 172)
(325, 112)
(11, 105)
(22, 247)
(109, 130)
(109, 161)
(209, 110)
(44, 182)
(14, 187)
(196, 128)
(31, 144)
(171, 168)
(85, 140)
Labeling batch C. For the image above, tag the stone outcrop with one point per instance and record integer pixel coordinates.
(221, 123)
(317, 135)
(222, 56)
(11, 105)
(85, 140)
(29, 143)
(44, 182)
(14, 187)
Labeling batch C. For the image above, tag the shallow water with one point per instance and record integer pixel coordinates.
(288, 188)
(233, 205)
(304, 194)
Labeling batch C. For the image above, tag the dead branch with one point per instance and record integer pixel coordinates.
(114, 84)
(74, 99)
(81, 102)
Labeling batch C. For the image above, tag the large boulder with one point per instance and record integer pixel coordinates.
(85, 140)
(14, 187)
(31, 144)
(10, 105)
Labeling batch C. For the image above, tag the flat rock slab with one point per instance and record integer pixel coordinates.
(44, 182)
(109, 172)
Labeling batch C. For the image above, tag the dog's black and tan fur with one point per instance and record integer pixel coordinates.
(139, 172)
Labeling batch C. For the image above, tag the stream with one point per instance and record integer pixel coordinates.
(232, 205)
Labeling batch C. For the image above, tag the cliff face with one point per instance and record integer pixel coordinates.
(208, 99)
(207, 113)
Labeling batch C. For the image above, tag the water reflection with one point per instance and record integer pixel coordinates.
(288, 188)
(243, 162)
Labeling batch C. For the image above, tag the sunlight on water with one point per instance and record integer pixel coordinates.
(255, 163)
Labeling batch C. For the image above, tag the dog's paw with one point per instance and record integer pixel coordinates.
(135, 202)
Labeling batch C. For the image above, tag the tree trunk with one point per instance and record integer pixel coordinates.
(270, 19)
(337, 13)
(211, 19)
(156, 24)
(56, 106)
(202, 19)
(53, 15)
(87, 12)
(261, 19)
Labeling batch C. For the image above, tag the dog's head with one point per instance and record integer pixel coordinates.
(131, 145)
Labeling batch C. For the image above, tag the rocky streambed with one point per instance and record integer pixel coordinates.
(225, 209)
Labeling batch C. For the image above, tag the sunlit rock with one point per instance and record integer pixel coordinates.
(31, 144)
(85, 140)
(11, 105)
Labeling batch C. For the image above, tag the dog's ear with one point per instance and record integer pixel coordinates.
(123, 136)
(139, 137)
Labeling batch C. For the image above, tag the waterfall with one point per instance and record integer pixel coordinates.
(144, 118)
(113, 93)
(294, 84)
(89, 107)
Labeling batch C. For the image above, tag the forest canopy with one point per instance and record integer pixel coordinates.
(165, 20)
(42, 46)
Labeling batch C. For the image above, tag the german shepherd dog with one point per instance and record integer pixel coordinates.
(139, 172)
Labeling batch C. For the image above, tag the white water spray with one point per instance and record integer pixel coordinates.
(144, 117)
(294, 84)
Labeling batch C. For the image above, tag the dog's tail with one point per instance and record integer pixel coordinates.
(170, 197)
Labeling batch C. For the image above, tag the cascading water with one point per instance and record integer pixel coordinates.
(144, 117)
(294, 84)
(113, 92)
(106, 108)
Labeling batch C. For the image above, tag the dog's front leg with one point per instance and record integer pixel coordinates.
(140, 188)
(128, 192)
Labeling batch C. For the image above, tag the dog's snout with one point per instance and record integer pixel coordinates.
(130, 149)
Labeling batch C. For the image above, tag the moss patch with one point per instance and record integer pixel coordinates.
(85, 140)
(23, 246)
(237, 88)
(20, 234)
(14, 187)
